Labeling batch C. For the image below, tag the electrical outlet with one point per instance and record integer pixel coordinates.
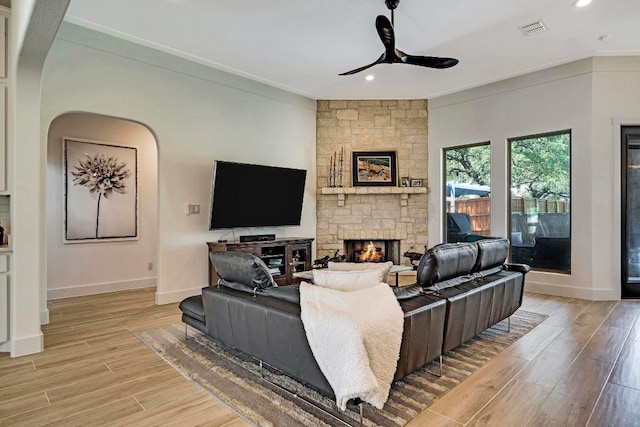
(150, 266)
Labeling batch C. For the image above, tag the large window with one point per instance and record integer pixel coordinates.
(540, 182)
(467, 190)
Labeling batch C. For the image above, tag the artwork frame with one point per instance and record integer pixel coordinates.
(416, 182)
(374, 169)
(100, 182)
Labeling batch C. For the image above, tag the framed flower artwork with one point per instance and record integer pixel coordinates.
(100, 191)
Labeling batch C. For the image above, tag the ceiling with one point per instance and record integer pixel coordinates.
(302, 45)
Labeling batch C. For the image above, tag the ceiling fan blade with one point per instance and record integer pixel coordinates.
(387, 36)
(427, 61)
(392, 55)
(357, 70)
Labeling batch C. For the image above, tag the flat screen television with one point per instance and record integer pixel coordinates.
(246, 195)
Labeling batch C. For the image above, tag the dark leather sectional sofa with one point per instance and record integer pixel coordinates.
(461, 290)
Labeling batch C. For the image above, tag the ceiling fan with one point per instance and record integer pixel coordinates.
(392, 55)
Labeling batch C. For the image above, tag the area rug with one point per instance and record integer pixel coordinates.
(240, 383)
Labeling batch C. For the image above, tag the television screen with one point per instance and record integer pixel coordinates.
(247, 195)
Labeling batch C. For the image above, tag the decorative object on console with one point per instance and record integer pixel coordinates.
(414, 257)
(107, 207)
(324, 261)
(335, 170)
(416, 182)
(405, 181)
(374, 168)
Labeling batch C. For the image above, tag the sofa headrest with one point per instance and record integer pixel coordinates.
(445, 261)
(242, 268)
(491, 253)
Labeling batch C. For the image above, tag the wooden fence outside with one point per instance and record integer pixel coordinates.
(480, 210)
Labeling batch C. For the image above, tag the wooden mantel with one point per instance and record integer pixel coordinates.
(404, 192)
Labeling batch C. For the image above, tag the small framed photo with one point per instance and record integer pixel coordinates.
(405, 181)
(416, 182)
(374, 168)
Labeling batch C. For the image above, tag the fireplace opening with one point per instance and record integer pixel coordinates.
(372, 250)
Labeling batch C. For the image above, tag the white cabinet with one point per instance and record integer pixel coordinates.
(5, 255)
(4, 81)
(4, 297)
(3, 137)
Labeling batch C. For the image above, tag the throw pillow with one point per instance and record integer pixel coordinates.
(347, 280)
(359, 266)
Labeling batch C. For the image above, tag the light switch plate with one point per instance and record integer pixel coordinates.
(192, 209)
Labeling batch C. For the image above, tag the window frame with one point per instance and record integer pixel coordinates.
(443, 169)
(509, 195)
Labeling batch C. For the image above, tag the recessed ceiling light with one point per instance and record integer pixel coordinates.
(581, 3)
(370, 77)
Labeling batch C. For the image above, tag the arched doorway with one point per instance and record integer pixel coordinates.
(85, 267)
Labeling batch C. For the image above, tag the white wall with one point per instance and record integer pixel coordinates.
(33, 27)
(90, 268)
(198, 115)
(616, 102)
(564, 97)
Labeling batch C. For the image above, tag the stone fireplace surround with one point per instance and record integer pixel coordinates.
(372, 213)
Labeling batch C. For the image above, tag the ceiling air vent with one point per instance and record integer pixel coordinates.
(534, 28)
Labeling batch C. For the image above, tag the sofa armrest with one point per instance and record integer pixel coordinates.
(521, 268)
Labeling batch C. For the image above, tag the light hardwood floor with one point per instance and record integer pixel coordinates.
(579, 367)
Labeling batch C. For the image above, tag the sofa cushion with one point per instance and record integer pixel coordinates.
(347, 280)
(427, 269)
(446, 261)
(491, 253)
(192, 307)
(359, 266)
(243, 268)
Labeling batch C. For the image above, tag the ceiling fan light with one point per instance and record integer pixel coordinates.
(581, 3)
(370, 77)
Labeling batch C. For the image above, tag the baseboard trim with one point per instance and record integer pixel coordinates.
(99, 288)
(176, 296)
(44, 317)
(572, 292)
(27, 345)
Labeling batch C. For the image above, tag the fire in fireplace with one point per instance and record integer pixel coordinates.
(372, 250)
(370, 254)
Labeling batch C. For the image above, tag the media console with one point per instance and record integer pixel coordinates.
(283, 256)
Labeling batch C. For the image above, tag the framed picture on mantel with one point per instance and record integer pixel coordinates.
(374, 168)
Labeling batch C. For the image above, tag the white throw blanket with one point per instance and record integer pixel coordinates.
(355, 338)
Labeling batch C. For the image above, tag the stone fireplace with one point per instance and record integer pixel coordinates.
(372, 250)
(398, 214)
